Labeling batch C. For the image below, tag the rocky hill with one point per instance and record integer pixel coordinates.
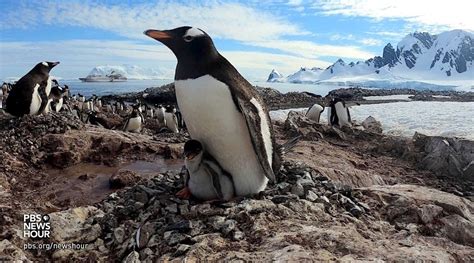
(341, 195)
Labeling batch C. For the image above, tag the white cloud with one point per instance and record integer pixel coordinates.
(309, 49)
(221, 20)
(455, 14)
(370, 42)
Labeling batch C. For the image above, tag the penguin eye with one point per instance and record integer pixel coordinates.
(188, 38)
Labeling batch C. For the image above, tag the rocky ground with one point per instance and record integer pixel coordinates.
(347, 195)
(277, 100)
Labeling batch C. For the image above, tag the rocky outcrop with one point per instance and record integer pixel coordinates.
(372, 125)
(447, 156)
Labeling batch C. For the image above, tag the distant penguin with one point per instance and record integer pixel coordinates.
(134, 122)
(314, 112)
(339, 114)
(81, 98)
(30, 94)
(206, 179)
(160, 115)
(171, 120)
(222, 109)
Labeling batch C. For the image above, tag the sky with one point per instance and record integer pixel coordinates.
(255, 36)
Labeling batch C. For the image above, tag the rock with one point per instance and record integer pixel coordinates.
(428, 213)
(356, 211)
(298, 190)
(278, 199)
(119, 234)
(133, 257)
(173, 237)
(124, 178)
(182, 249)
(228, 226)
(372, 125)
(181, 226)
(311, 196)
(11, 253)
(469, 170)
(73, 225)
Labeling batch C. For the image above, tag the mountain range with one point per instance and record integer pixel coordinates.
(130, 71)
(418, 57)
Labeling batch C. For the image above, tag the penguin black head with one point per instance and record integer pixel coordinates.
(190, 45)
(192, 148)
(45, 67)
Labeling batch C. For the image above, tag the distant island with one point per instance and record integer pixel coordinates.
(120, 73)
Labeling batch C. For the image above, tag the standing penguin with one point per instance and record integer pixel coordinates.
(314, 113)
(222, 109)
(134, 122)
(171, 120)
(339, 114)
(206, 179)
(160, 114)
(30, 94)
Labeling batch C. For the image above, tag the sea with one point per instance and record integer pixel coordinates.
(452, 119)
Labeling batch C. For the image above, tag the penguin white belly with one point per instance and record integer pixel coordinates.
(59, 105)
(48, 106)
(160, 115)
(212, 118)
(49, 83)
(134, 124)
(171, 123)
(342, 115)
(200, 185)
(314, 113)
(35, 101)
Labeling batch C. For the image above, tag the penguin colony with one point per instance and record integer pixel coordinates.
(232, 150)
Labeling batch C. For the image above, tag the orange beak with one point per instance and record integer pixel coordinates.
(157, 34)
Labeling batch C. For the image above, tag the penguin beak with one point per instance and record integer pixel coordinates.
(158, 35)
(53, 64)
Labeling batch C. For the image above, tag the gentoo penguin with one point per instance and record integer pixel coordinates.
(206, 180)
(29, 95)
(339, 114)
(56, 99)
(171, 120)
(314, 113)
(134, 121)
(222, 109)
(160, 114)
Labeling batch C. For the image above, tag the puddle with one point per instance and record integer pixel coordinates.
(69, 187)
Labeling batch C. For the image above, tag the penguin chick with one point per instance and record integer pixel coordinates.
(206, 179)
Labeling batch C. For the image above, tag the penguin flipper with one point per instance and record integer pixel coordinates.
(215, 180)
(262, 139)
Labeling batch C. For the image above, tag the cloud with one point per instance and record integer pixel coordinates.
(78, 57)
(220, 19)
(455, 14)
(370, 42)
(309, 49)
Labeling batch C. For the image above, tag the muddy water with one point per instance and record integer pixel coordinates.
(88, 183)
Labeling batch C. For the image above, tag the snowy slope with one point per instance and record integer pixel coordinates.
(129, 71)
(420, 60)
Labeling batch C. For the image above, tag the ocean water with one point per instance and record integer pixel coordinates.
(107, 88)
(451, 119)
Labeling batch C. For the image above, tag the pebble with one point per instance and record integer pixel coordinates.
(298, 190)
(311, 196)
(182, 249)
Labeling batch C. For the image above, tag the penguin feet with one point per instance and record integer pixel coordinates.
(184, 193)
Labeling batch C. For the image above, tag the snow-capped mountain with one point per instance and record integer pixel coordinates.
(446, 57)
(129, 71)
(274, 75)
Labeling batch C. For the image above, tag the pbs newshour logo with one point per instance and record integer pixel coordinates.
(36, 226)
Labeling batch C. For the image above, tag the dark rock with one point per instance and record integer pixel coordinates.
(124, 178)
